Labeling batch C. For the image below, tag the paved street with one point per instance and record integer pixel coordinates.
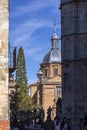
(34, 128)
(28, 128)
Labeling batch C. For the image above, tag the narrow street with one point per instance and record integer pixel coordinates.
(29, 128)
(32, 128)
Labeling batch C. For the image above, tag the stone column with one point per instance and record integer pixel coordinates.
(4, 34)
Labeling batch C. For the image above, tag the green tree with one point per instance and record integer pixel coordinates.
(21, 77)
(21, 102)
(14, 100)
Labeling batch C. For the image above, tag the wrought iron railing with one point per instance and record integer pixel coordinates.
(12, 58)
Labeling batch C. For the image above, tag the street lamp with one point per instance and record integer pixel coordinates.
(39, 75)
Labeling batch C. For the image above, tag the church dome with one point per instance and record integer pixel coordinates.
(52, 56)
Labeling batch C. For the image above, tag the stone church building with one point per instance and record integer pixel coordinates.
(48, 89)
(74, 59)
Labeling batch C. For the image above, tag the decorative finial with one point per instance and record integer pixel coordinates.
(54, 37)
(54, 26)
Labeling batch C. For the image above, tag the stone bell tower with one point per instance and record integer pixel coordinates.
(4, 32)
(74, 59)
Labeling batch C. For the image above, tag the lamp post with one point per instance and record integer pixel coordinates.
(39, 75)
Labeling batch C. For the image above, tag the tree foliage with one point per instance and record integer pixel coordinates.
(20, 99)
(21, 77)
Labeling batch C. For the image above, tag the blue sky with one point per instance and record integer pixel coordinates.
(31, 26)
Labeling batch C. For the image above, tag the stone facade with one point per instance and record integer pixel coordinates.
(50, 87)
(4, 34)
(74, 59)
(33, 91)
(48, 90)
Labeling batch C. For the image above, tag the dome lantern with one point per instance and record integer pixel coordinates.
(54, 55)
(54, 38)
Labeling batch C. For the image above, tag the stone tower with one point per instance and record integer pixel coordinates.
(4, 31)
(74, 59)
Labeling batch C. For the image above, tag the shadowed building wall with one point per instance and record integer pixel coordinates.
(74, 59)
(4, 32)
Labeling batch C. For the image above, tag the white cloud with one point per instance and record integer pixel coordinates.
(36, 53)
(25, 31)
(33, 6)
(31, 26)
(33, 50)
(19, 40)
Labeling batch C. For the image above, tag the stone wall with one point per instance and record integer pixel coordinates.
(4, 33)
(74, 59)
